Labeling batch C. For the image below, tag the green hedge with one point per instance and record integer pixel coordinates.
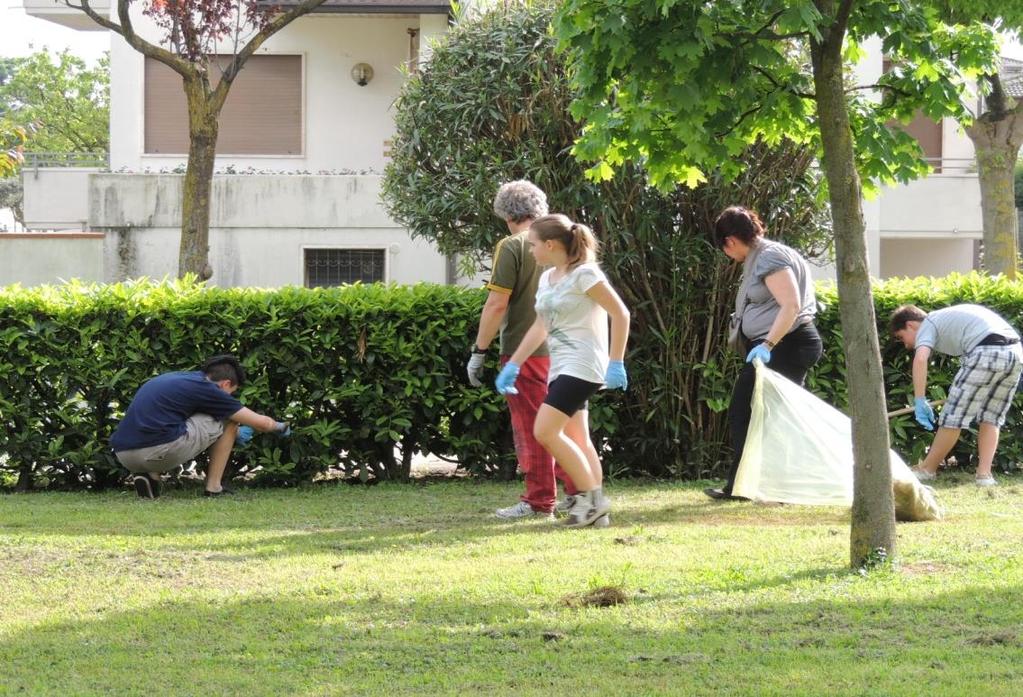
(367, 375)
(827, 380)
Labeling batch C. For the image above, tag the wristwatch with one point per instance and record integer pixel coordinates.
(769, 344)
(477, 349)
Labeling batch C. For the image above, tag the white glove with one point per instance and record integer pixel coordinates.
(475, 369)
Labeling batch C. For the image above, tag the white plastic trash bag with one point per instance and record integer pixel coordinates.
(799, 450)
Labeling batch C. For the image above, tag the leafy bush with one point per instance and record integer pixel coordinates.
(827, 380)
(492, 105)
(367, 375)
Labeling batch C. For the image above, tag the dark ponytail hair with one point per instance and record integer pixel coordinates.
(738, 222)
(577, 239)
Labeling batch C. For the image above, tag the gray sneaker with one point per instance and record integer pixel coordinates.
(603, 521)
(589, 507)
(519, 511)
(565, 505)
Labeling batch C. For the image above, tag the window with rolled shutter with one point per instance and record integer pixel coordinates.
(263, 114)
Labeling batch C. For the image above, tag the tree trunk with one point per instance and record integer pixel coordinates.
(996, 140)
(195, 204)
(873, 512)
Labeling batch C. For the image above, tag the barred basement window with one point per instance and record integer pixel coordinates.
(336, 267)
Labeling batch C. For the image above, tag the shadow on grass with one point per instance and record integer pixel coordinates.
(326, 643)
(261, 533)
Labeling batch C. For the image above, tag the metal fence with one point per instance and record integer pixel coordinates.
(38, 160)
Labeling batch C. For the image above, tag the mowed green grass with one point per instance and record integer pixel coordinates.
(417, 589)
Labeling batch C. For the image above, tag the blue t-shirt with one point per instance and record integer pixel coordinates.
(158, 413)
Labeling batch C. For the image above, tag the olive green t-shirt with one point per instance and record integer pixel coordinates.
(515, 273)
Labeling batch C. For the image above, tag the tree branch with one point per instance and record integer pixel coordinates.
(275, 25)
(738, 122)
(127, 31)
(778, 87)
(838, 29)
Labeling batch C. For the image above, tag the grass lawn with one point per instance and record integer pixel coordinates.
(416, 589)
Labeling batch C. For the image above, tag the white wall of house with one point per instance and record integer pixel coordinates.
(261, 224)
(345, 125)
(260, 227)
(925, 257)
(36, 258)
(56, 198)
(928, 226)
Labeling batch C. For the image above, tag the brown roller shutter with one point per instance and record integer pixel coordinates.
(262, 116)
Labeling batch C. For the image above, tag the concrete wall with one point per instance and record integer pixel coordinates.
(345, 124)
(926, 257)
(57, 198)
(35, 258)
(260, 226)
(943, 205)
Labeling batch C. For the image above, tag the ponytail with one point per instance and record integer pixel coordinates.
(578, 240)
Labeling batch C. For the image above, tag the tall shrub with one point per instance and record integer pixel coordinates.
(493, 105)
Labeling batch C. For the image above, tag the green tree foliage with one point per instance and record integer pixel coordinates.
(64, 101)
(59, 103)
(12, 142)
(686, 87)
(493, 105)
(683, 86)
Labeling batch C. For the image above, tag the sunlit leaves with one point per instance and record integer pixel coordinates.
(690, 84)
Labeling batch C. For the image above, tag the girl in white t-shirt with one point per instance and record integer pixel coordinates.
(573, 303)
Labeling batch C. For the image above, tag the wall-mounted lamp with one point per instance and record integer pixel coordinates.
(362, 73)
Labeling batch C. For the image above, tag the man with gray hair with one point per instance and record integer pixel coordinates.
(508, 311)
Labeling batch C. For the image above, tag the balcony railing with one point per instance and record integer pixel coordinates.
(38, 160)
(952, 165)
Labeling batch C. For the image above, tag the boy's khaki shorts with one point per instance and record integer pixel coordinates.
(202, 431)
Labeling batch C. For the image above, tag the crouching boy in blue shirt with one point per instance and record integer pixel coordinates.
(176, 416)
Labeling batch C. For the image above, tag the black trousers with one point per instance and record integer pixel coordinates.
(793, 356)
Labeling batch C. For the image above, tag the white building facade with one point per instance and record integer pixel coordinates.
(303, 144)
(301, 152)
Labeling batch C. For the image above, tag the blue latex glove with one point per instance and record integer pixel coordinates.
(282, 429)
(506, 378)
(245, 434)
(924, 413)
(616, 377)
(759, 351)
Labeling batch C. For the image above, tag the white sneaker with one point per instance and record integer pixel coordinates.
(565, 505)
(923, 475)
(603, 521)
(588, 508)
(519, 511)
(985, 481)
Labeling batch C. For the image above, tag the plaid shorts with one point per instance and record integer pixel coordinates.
(984, 387)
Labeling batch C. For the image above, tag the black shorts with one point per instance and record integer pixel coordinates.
(568, 394)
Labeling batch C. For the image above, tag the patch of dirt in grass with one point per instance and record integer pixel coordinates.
(923, 568)
(1002, 638)
(605, 596)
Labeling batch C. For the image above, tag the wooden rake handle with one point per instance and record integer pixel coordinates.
(909, 410)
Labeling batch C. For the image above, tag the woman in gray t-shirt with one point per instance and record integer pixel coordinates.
(775, 308)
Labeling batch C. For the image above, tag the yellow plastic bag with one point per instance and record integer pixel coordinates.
(799, 450)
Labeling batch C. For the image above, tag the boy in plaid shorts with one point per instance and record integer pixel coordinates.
(982, 390)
